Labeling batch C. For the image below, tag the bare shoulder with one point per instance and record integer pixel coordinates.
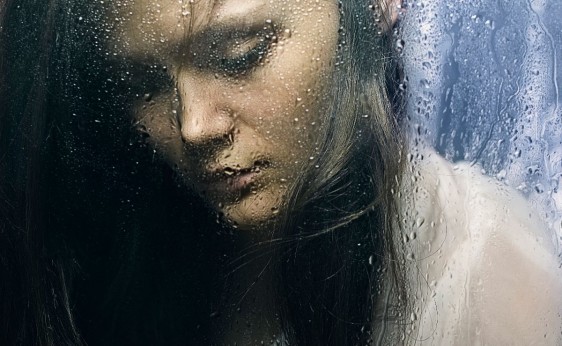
(496, 279)
(516, 282)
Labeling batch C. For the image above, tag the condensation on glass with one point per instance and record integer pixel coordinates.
(483, 87)
(258, 174)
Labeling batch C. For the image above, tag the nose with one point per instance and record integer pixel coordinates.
(203, 115)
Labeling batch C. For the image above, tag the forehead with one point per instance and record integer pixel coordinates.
(166, 16)
(154, 26)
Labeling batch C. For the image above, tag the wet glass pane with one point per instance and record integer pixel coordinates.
(286, 172)
(485, 90)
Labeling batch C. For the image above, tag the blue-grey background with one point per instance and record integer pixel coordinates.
(482, 84)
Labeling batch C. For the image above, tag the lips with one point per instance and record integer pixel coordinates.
(229, 179)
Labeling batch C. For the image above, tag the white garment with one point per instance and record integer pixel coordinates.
(481, 267)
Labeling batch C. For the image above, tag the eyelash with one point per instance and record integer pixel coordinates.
(249, 60)
(142, 79)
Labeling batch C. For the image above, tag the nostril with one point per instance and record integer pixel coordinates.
(261, 163)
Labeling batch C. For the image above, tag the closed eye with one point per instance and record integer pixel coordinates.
(234, 51)
(245, 55)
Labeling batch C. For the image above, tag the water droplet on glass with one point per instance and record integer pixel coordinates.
(405, 238)
(228, 171)
(490, 24)
(501, 174)
(399, 45)
(539, 188)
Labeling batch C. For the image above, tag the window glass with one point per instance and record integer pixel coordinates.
(280, 172)
(485, 90)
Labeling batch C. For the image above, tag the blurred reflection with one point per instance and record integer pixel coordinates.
(483, 87)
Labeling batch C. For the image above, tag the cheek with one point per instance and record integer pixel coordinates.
(283, 101)
(288, 98)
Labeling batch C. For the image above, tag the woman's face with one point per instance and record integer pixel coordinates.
(245, 108)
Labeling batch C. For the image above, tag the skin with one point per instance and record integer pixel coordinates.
(211, 121)
(239, 139)
(238, 135)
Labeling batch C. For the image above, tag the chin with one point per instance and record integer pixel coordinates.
(255, 212)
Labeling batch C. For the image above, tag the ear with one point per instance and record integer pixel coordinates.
(389, 11)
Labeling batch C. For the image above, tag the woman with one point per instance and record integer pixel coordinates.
(278, 114)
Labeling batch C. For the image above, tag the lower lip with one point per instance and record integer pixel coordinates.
(236, 183)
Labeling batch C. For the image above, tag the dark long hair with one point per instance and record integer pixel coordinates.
(34, 297)
(95, 233)
(342, 256)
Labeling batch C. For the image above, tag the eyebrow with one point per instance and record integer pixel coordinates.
(238, 11)
(248, 18)
(223, 32)
(224, 16)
